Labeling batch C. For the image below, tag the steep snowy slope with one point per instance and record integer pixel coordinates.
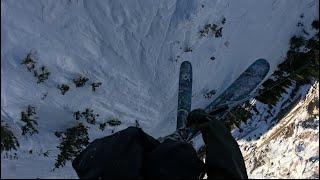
(135, 49)
(290, 149)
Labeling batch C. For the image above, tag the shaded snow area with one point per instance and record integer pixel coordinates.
(134, 48)
(289, 148)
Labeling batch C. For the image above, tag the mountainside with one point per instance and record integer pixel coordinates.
(290, 147)
(134, 49)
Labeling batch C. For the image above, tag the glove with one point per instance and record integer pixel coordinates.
(197, 117)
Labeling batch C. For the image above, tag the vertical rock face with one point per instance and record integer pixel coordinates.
(290, 149)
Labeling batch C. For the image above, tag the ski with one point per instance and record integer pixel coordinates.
(184, 102)
(184, 94)
(238, 92)
(243, 85)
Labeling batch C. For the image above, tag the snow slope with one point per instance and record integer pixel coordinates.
(290, 149)
(135, 49)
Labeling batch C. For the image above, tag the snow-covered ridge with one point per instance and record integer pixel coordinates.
(290, 149)
(135, 49)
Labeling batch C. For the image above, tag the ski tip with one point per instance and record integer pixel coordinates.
(263, 62)
(186, 63)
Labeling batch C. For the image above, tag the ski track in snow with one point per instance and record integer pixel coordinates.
(129, 47)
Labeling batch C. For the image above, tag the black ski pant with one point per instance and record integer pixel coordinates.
(133, 154)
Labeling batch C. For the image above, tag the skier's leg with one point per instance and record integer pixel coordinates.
(173, 160)
(223, 156)
(120, 155)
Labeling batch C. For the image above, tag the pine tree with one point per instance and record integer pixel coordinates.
(63, 88)
(89, 115)
(30, 61)
(299, 67)
(73, 141)
(8, 140)
(80, 81)
(137, 123)
(42, 74)
(113, 121)
(30, 120)
(95, 85)
(102, 126)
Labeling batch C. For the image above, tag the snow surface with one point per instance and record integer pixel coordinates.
(290, 149)
(135, 49)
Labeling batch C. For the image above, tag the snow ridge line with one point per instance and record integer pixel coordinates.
(288, 118)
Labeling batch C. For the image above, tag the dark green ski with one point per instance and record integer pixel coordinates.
(184, 94)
